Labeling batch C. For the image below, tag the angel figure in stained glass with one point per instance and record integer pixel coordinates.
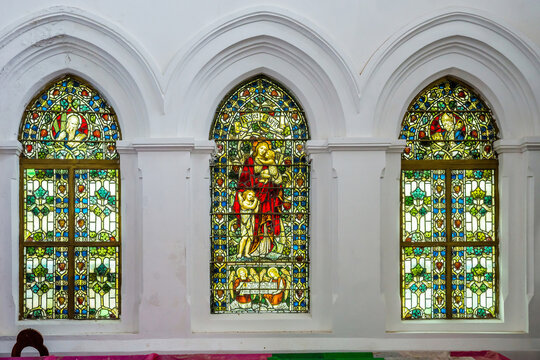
(279, 287)
(241, 285)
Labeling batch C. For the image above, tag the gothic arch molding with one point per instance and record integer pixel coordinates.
(500, 64)
(224, 56)
(57, 42)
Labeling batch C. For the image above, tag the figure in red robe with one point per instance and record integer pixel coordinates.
(260, 174)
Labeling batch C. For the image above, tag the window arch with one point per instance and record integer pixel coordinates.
(260, 202)
(69, 205)
(449, 206)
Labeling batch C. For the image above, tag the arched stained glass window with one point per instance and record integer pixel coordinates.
(449, 239)
(260, 202)
(69, 205)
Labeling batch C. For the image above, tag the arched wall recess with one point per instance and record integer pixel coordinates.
(502, 67)
(35, 51)
(323, 85)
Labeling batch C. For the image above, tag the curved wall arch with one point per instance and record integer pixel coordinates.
(266, 41)
(63, 40)
(491, 58)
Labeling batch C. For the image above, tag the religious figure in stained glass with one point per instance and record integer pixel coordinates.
(259, 202)
(70, 225)
(73, 130)
(262, 182)
(449, 244)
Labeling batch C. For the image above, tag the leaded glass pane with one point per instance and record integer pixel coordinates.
(96, 205)
(474, 282)
(473, 197)
(260, 202)
(45, 282)
(423, 282)
(423, 205)
(449, 200)
(96, 282)
(69, 120)
(45, 205)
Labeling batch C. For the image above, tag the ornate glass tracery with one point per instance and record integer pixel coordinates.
(260, 202)
(70, 201)
(449, 241)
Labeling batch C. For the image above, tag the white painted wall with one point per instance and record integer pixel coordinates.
(354, 66)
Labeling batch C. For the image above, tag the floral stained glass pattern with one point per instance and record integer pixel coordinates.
(45, 282)
(424, 282)
(473, 282)
(449, 242)
(424, 212)
(260, 202)
(96, 282)
(69, 120)
(70, 201)
(473, 205)
(96, 199)
(45, 205)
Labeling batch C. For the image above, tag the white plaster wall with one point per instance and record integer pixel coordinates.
(354, 66)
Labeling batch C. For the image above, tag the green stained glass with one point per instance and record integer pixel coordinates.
(448, 121)
(260, 201)
(474, 282)
(96, 205)
(45, 205)
(96, 283)
(423, 204)
(423, 282)
(45, 283)
(449, 206)
(473, 205)
(69, 120)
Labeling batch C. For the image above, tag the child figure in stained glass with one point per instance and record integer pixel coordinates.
(261, 175)
(249, 205)
(271, 171)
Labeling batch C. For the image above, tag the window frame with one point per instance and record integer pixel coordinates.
(464, 163)
(448, 244)
(71, 165)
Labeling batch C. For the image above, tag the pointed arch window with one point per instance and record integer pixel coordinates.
(69, 205)
(449, 206)
(260, 202)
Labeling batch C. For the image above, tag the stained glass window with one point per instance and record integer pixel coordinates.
(260, 202)
(70, 201)
(449, 240)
